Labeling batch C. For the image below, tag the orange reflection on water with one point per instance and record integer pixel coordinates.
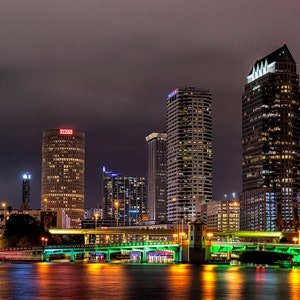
(94, 268)
(179, 279)
(43, 274)
(208, 279)
(235, 282)
(294, 283)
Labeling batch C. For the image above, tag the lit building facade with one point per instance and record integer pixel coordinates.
(271, 145)
(123, 198)
(157, 178)
(25, 205)
(223, 215)
(189, 152)
(63, 153)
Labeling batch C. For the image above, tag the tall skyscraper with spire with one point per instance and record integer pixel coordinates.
(157, 177)
(189, 152)
(63, 153)
(271, 144)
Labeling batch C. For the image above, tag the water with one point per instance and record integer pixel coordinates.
(44, 281)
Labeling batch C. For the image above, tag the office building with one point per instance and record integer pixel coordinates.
(25, 205)
(157, 178)
(63, 173)
(271, 145)
(123, 199)
(223, 215)
(189, 152)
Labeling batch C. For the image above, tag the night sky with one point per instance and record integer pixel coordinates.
(106, 67)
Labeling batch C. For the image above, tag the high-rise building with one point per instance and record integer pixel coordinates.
(63, 173)
(123, 198)
(271, 144)
(25, 205)
(223, 215)
(189, 152)
(157, 177)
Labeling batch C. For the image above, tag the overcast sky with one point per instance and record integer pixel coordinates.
(106, 67)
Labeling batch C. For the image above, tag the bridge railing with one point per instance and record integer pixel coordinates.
(113, 245)
(21, 248)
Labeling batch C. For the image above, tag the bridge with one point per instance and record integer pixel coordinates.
(146, 241)
(218, 249)
(125, 233)
(137, 249)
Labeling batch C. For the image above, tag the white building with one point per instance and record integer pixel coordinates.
(189, 152)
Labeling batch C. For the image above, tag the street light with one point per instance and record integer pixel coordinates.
(44, 241)
(45, 200)
(96, 218)
(209, 235)
(175, 236)
(3, 206)
(117, 213)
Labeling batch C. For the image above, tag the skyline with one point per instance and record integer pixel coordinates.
(99, 67)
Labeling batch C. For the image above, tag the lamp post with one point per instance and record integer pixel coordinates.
(45, 200)
(96, 218)
(44, 241)
(117, 213)
(4, 212)
(4, 217)
(175, 236)
(209, 235)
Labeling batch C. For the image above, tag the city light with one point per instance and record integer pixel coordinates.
(117, 212)
(96, 218)
(44, 240)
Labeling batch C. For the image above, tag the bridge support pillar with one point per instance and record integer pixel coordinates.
(45, 257)
(107, 256)
(144, 256)
(72, 257)
(228, 255)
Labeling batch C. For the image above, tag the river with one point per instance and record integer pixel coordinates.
(43, 281)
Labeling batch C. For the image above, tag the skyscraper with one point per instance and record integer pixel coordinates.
(189, 152)
(25, 205)
(157, 177)
(271, 144)
(123, 198)
(63, 172)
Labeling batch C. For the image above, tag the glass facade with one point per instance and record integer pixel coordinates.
(123, 198)
(157, 177)
(271, 144)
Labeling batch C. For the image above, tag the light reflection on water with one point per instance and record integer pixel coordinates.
(43, 281)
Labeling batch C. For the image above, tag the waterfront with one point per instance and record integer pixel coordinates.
(43, 281)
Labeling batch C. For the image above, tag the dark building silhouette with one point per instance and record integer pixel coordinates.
(25, 205)
(271, 144)
(157, 177)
